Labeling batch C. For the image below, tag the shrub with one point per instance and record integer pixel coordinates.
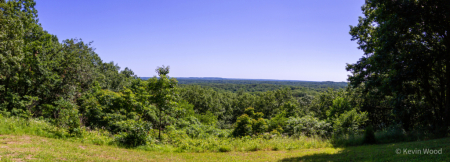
(340, 105)
(393, 133)
(67, 116)
(250, 123)
(278, 122)
(259, 126)
(136, 133)
(369, 135)
(253, 148)
(275, 132)
(224, 149)
(308, 126)
(350, 122)
(243, 126)
(208, 118)
(275, 148)
(250, 111)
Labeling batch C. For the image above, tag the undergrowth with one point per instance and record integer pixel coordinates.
(177, 141)
(171, 142)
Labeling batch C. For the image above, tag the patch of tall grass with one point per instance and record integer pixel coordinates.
(21, 126)
(172, 142)
(216, 144)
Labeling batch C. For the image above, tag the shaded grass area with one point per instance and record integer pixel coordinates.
(385, 152)
(34, 148)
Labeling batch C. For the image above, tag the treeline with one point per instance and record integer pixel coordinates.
(259, 85)
(298, 88)
(297, 91)
(42, 77)
(404, 74)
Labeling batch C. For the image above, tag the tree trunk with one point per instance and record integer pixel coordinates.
(447, 79)
(159, 134)
(8, 106)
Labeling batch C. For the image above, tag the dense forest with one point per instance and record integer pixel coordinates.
(399, 90)
(254, 86)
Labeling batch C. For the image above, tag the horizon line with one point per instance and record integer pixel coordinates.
(249, 79)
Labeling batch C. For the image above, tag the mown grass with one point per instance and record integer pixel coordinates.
(34, 148)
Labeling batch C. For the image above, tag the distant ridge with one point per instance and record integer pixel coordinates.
(219, 78)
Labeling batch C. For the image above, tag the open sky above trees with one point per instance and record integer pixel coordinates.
(291, 40)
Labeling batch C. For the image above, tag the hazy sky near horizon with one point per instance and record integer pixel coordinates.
(253, 39)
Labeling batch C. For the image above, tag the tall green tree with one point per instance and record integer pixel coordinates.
(406, 58)
(164, 95)
(12, 32)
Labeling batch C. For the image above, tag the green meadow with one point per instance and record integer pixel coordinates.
(35, 148)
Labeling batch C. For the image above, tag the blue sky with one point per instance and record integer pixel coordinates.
(253, 39)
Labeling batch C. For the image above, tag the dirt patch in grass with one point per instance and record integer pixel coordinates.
(12, 154)
(16, 141)
(17, 160)
(26, 137)
(30, 157)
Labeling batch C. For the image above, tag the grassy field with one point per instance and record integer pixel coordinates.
(35, 148)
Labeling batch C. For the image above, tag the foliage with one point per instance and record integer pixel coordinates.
(406, 61)
(250, 123)
(164, 96)
(278, 122)
(369, 135)
(340, 105)
(321, 104)
(300, 88)
(307, 125)
(208, 118)
(135, 134)
(67, 116)
(349, 122)
(243, 126)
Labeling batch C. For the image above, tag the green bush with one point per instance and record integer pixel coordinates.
(350, 122)
(340, 105)
(224, 149)
(259, 126)
(250, 123)
(391, 134)
(207, 118)
(278, 122)
(369, 135)
(67, 116)
(136, 133)
(347, 140)
(243, 126)
(253, 148)
(307, 125)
